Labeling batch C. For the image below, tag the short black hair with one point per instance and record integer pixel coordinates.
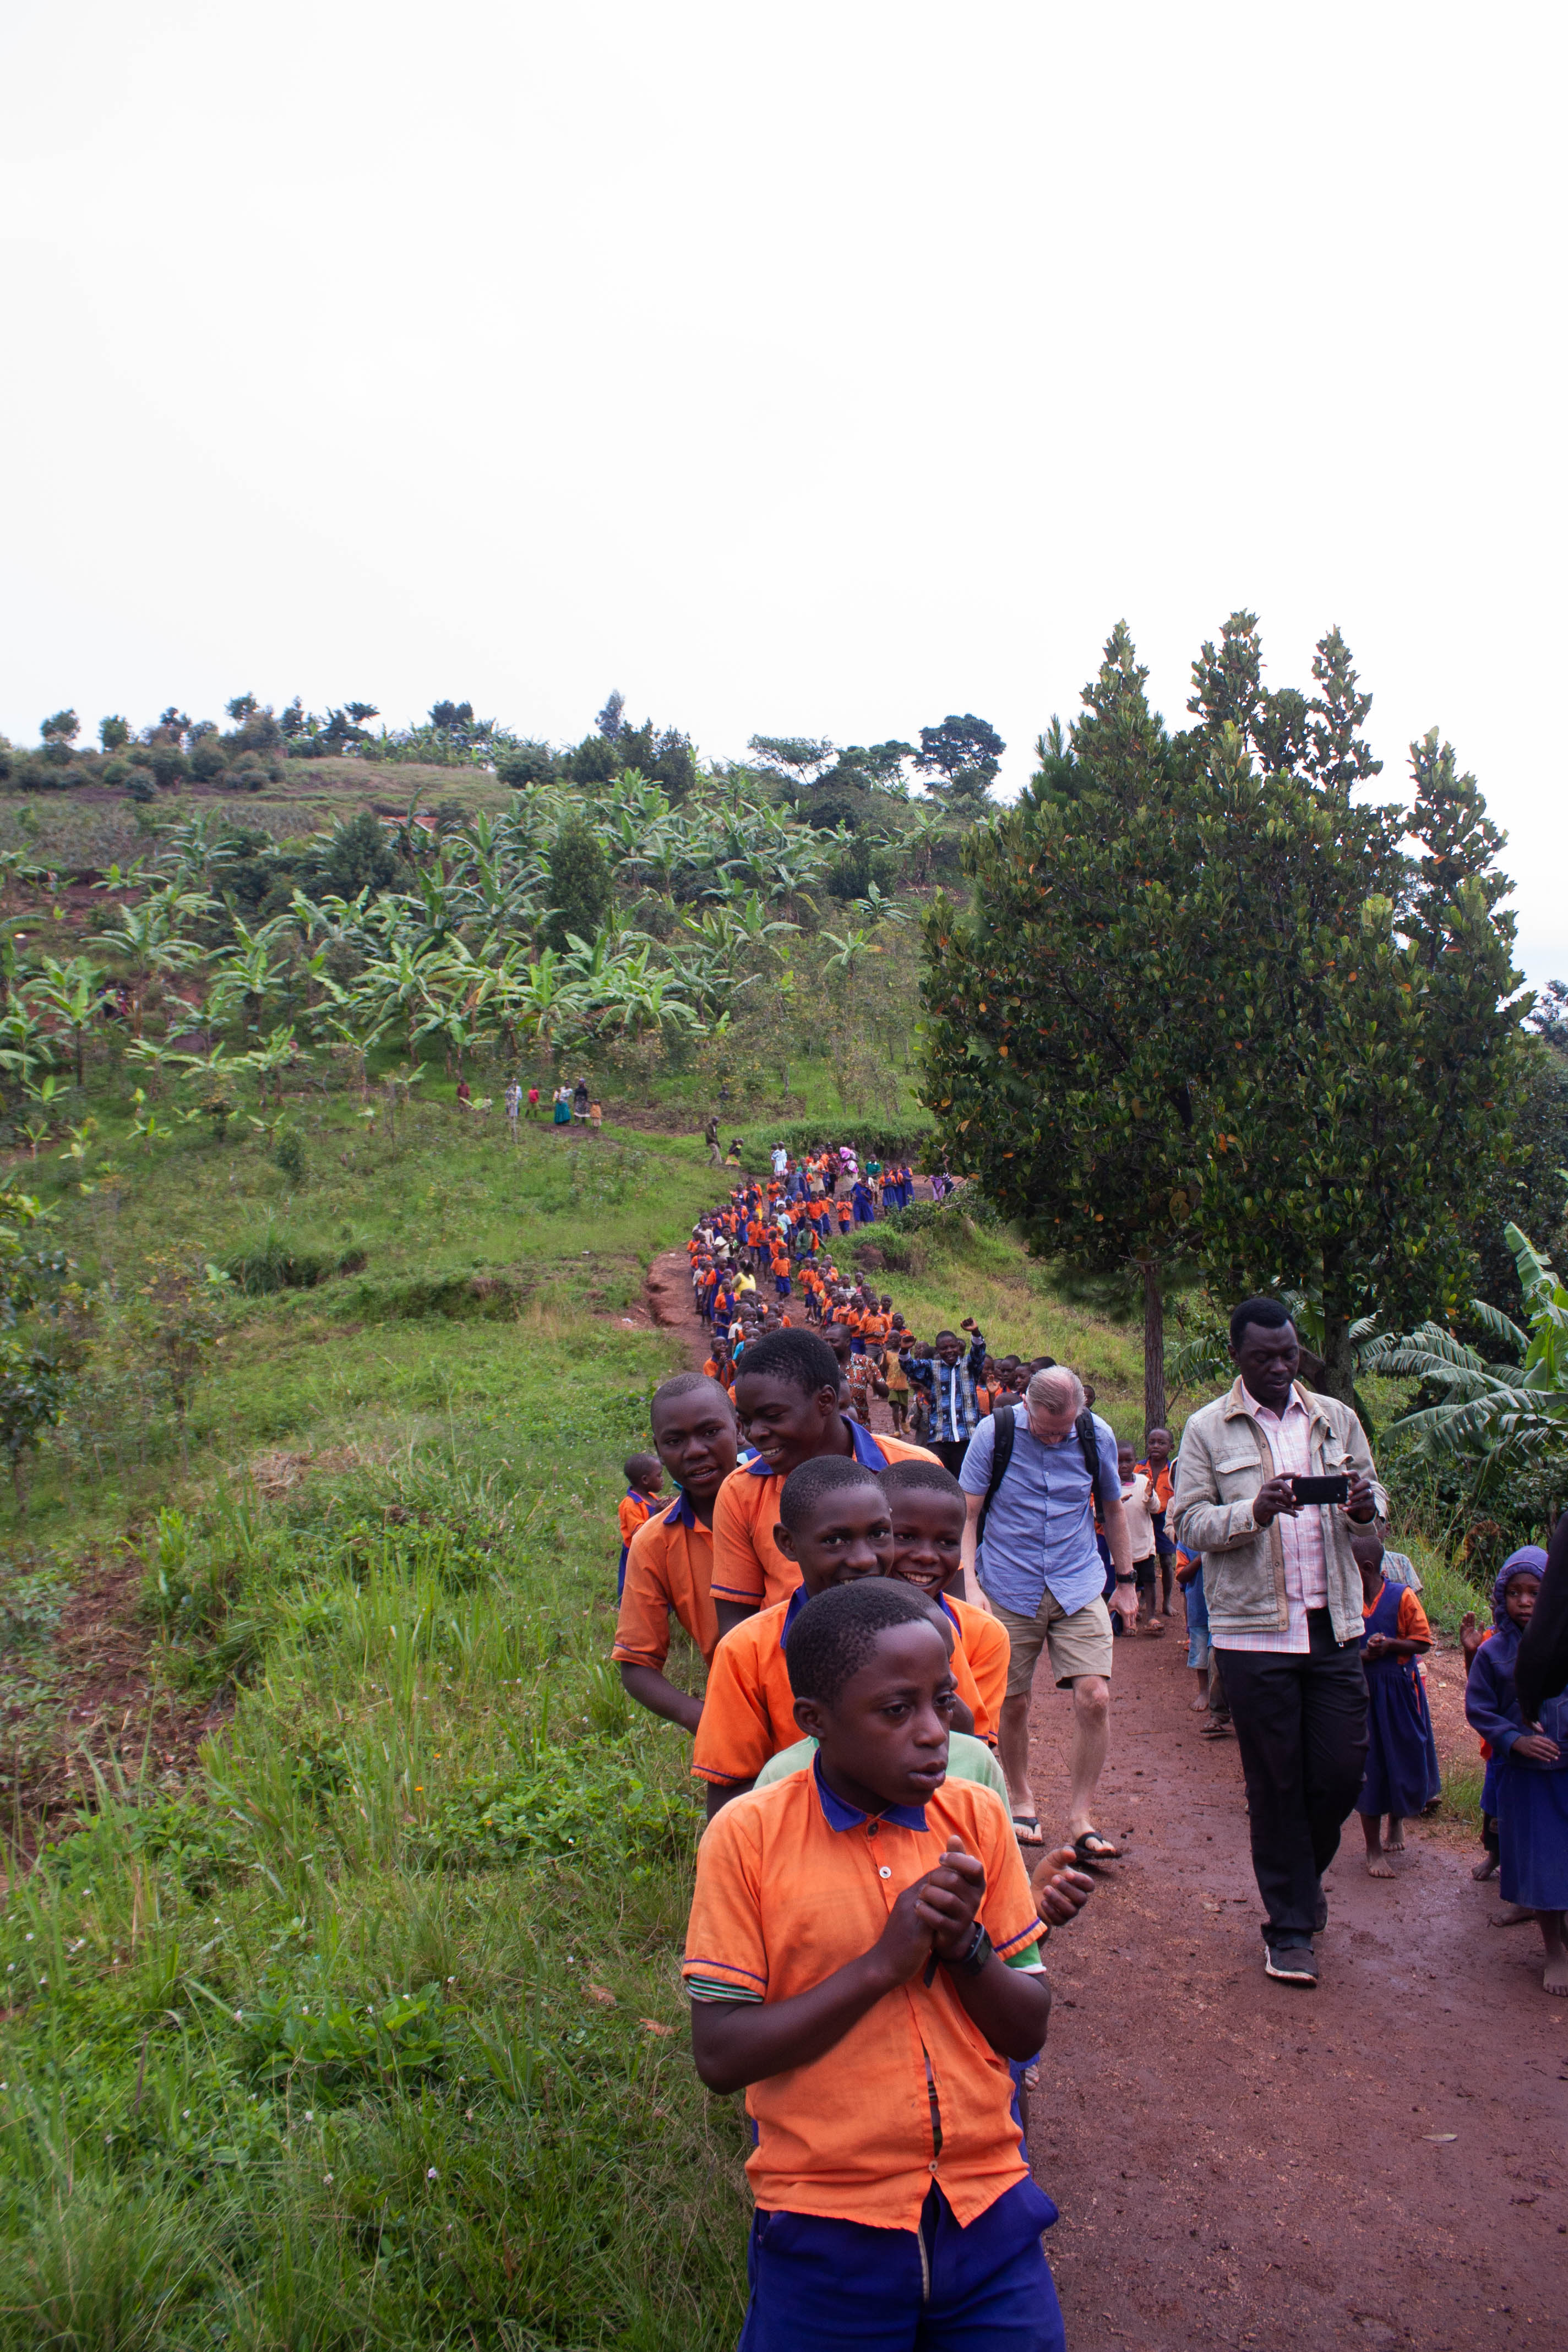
(834, 1634)
(1268, 1314)
(799, 1359)
(898, 1476)
(640, 1466)
(681, 1384)
(805, 1486)
(943, 1334)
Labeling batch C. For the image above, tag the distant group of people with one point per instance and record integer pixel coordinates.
(874, 1890)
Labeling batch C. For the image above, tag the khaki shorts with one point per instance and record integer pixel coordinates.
(1079, 1644)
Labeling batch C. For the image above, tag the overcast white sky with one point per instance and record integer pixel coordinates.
(814, 371)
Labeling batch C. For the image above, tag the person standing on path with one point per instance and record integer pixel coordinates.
(513, 1099)
(949, 1386)
(1041, 1574)
(711, 1138)
(1284, 1598)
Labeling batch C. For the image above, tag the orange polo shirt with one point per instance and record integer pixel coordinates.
(983, 1646)
(632, 1513)
(748, 1566)
(669, 1565)
(792, 1885)
(748, 1713)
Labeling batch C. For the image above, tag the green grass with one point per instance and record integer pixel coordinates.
(370, 2033)
(374, 2036)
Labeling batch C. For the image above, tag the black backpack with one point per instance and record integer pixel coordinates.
(1002, 1453)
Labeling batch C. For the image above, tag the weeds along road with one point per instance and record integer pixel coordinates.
(1382, 2162)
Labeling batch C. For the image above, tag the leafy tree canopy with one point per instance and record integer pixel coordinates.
(798, 759)
(1207, 1007)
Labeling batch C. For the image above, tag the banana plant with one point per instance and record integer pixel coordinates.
(73, 992)
(148, 938)
(1491, 1418)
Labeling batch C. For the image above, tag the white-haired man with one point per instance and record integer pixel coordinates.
(1033, 1473)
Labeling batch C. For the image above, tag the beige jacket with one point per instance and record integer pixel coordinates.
(1225, 1458)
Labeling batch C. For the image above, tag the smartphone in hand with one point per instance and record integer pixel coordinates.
(1321, 1490)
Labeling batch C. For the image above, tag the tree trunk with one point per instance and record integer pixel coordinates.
(1339, 1356)
(1153, 1347)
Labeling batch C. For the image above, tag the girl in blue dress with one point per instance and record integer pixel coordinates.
(1402, 1774)
(1532, 1762)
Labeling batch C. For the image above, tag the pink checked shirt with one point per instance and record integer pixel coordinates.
(1306, 1570)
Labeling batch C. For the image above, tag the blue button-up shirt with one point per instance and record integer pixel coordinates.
(1040, 1530)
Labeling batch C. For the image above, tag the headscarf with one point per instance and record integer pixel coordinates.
(1529, 1561)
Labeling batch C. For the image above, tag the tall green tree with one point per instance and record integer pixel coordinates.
(580, 889)
(1204, 1006)
(1054, 1068)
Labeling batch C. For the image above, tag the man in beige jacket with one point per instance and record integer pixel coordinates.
(1284, 1600)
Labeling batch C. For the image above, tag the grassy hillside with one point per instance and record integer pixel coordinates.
(358, 2020)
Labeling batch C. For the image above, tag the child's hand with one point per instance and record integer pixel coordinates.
(967, 1324)
(1375, 1646)
(903, 1947)
(1469, 1636)
(949, 1897)
(1060, 1891)
(1536, 1747)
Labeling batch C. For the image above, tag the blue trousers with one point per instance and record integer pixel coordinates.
(840, 2286)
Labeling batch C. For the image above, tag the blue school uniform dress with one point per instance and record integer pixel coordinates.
(1401, 1771)
(1530, 1801)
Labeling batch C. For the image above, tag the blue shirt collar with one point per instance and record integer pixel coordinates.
(680, 1513)
(840, 1816)
(867, 1453)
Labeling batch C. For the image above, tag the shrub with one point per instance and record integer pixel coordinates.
(288, 1154)
(272, 1266)
(169, 766)
(868, 1140)
(207, 762)
(138, 785)
(528, 763)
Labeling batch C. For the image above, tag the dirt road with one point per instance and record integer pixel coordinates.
(1381, 2162)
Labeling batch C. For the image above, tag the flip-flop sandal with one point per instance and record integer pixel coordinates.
(1215, 1731)
(1092, 1848)
(1027, 1829)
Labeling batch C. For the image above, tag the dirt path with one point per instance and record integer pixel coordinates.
(1238, 2164)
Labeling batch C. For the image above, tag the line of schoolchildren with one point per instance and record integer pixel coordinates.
(863, 1955)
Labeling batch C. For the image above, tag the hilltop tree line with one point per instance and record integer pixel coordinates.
(955, 761)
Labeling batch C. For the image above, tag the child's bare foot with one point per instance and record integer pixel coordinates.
(1394, 1841)
(1555, 1977)
(1510, 1915)
(1200, 1706)
(1486, 1867)
(1378, 1865)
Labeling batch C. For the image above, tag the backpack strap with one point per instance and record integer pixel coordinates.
(1006, 1428)
(1089, 1444)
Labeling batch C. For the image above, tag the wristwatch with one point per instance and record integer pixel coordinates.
(970, 1962)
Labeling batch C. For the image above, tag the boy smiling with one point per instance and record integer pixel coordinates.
(863, 1959)
(786, 1393)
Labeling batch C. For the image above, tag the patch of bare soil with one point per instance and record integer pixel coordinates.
(111, 1707)
(1381, 2162)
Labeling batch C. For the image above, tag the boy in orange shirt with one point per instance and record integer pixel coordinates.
(832, 1528)
(669, 1562)
(863, 1959)
(835, 1525)
(927, 1506)
(644, 1479)
(787, 1392)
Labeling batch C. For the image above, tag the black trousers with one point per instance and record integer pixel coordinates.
(1300, 1723)
(950, 1455)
